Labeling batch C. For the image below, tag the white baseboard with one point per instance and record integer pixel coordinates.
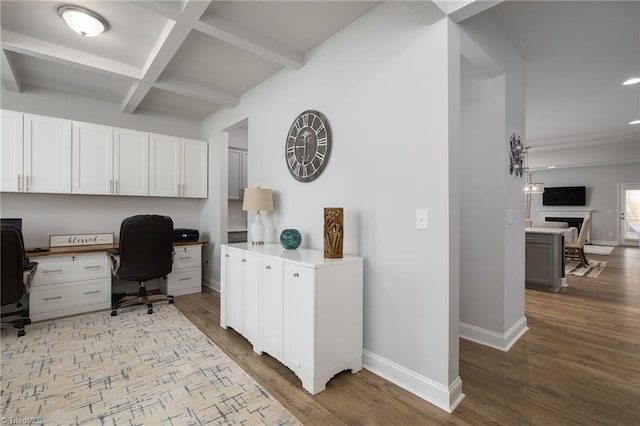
(604, 243)
(212, 284)
(446, 398)
(492, 339)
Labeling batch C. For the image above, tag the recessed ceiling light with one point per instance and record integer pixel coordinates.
(83, 21)
(634, 122)
(634, 80)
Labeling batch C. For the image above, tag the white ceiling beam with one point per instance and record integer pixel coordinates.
(198, 91)
(170, 40)
(10, 79)
(63, 55)
(460, 10)
(427, 10)
(159, 9)
(246, 39)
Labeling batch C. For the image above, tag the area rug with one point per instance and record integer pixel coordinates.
(601, 250)
(573, 267)
(133, 369)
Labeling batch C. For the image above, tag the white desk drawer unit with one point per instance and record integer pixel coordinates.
(186, 276)
(69, 284)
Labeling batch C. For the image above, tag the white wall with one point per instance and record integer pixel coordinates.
(45, 214)
(602, 195)
(492, 206)
(383, 85)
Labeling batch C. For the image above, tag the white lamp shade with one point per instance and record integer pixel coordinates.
(83, 21)
(257, 199)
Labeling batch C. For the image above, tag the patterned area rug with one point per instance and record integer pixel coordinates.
(133, 369)
(573, 267)
(601, 250)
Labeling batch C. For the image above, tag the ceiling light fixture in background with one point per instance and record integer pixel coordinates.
(634, 122)
(634, 80)
(83, 21)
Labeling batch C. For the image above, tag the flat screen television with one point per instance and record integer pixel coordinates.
(564, 196)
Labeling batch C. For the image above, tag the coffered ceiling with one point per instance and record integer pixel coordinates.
(189, 58)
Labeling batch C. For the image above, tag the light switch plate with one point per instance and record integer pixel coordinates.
(509, 216)
(422, 219)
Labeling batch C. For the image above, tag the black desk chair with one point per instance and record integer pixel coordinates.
(146, 252)
(16, 275)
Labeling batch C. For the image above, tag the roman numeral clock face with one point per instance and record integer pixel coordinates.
(308, 145)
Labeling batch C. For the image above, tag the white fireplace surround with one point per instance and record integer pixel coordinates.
(583, 213)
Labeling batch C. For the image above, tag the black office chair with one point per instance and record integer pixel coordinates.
(16, 275)
(145, 252)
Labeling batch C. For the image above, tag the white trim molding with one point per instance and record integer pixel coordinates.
(502, 342)
(212, 284)
(444, 397)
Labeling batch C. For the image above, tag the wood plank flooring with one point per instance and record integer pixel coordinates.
(579, 364)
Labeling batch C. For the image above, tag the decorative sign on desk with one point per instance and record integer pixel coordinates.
(80, 240)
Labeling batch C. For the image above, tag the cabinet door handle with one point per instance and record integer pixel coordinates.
(117, 186)
(110, 186)
(93, 267)
(19, 182)
(52, 298)
(268, 266)
(185, 279)
(244, 260)
(185, 258)
(92, 292)
(226, 255)
(51, 271)
(295, 274)
(27, 186)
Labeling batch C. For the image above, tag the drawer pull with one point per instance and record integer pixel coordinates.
(52, 298)
(92, 292)
(184, 279)
(295, 274)
(93, 267)
(51, 271)
(268, 266)
(185, 258)
(244, 260)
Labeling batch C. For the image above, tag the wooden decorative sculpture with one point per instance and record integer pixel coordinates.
(333, 232)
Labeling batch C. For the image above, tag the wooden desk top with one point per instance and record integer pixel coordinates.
(97, 248)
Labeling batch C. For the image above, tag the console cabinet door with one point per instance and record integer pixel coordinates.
(164, 166)
(249, 264)
(299, 314)
(11, 156)
(194, 178)
(92, 159)
(235, 174)
(230, 286)
(271, 325)
(47, 154)
(130, 162)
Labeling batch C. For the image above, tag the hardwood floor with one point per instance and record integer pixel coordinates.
(579, 364)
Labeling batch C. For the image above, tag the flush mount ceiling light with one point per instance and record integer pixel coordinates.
(83, 21)
(634, 80)
(634, 122)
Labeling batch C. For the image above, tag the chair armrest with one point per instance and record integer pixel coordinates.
(114, 252)
(114, 260)
(28, 274)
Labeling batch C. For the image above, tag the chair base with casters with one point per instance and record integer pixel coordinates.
(124, 300)
(18, 319)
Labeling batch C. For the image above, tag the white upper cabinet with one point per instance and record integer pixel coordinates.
(194, 168)
(11, 157)
(238, 162)
(92, 159)
(130, 162)
(177, 167)
(164, 166)
(47, 155)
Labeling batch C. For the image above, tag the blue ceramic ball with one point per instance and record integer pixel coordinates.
(290, 238)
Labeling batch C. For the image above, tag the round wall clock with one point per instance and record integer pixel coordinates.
(308, 146)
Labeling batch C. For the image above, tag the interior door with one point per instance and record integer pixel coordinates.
(630, 214)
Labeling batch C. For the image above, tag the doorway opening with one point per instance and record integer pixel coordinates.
(629, 231)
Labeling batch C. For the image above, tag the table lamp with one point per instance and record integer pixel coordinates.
(257, 199)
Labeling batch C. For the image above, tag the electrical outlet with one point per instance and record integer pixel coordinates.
(422, 219)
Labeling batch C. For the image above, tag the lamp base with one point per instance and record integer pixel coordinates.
(257, 231)
(257, 243)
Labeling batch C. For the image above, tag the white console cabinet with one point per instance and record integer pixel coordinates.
(69, 284)
(303, 309)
